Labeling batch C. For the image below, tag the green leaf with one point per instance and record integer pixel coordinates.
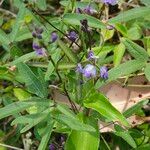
(123, 69)
(73, 123)
(31, 120)
(18, 22)
(51, 68)
(147, 71)
(134, 33)
(4, 38)
(64, 66)
(101, 104)
(107, 34)
(75, 19)
(79, 140)
(135, 50)
(32, 82)
(46, 136)
(21, 94)
(130, 15)
(69, 53)
(22, 105)
(65, 110)
(118, 54)
(41, 4)
(23, 34)
(135, 108)
(125, 135)
(23, 58)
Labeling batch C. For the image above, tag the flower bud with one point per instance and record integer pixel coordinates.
(104, 72)
(54, 37)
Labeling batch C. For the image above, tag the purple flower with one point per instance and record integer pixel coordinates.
(39, 30)
(38, 49)
(79, 68)
(41, 52)
(52, 147)
(89, 10)
(104, 72)
(37, 33)
(72, 36)
(111, 2)
(91, 55)
(89, 71)
(35, 46)
(54, 37)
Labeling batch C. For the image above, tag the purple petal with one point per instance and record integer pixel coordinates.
(89, 71)
(54, 37)
(104, 72)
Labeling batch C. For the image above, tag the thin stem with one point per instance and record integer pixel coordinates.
(53, 25)
(7, 12)
(9, 146)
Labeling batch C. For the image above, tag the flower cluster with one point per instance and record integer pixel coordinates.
(89, 71)
(40, 51)
(37, 33)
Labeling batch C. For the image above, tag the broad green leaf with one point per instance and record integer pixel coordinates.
(46, 136)
(31, 120)
(73, 123)
(75, 19)
(107, 34)
(41, 4)
(15, 51)
(131, 14)
(134, 33)
(101, 104)
(22, 105)
(24, 58)
(65, 110)
(23, 34)
(18, 22)
(69, 53)
(123, 69)
(122, 29)
(33, 84)
(79, 140)
(125, 135)
(21, 94)
(4, 38)
(135, 50)
(135, 108)
(118, 54)
(147, 71)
